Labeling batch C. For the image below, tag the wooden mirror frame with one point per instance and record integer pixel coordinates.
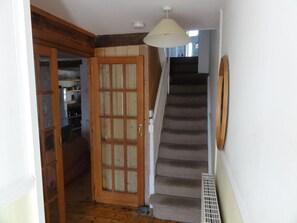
(222, 102)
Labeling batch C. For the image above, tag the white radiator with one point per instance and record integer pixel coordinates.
(210, 212)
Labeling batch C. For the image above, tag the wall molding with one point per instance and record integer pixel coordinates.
(237, 194)
(15, 190)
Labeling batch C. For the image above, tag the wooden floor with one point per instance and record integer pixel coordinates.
(81, 209)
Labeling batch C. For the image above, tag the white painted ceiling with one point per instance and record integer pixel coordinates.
(102, 17)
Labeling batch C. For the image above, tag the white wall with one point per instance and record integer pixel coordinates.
(260, 153)
(20, 169)
(204, 37)
(212, 86)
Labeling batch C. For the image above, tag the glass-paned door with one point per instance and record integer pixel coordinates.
(117, 130)
(46, 73)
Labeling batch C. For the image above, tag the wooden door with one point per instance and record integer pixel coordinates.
(116, 87)
(46, 72)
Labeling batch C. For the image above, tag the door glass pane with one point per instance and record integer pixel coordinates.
(51, 175)
(106, 154)
(118, 129)
(49, 144)
(117, 76)
(119, 181)
(131, 76)
(49, 140)
(105, 129)
(131, 103)
(54, 211)
(131, 157)
(107, 180)
(132, 182)
(119, 156)
(132, 129)
(104, 79)
(47, 105)
(104, 103)
(118, 104)
(45, 74)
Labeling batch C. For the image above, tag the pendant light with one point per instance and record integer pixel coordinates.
(167, 33)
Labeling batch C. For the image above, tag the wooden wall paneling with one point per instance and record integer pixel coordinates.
(121, 51)
(99, 52)
(110, 52)
(51, 31)
(154, 69)
(117, 51)
(133, 50)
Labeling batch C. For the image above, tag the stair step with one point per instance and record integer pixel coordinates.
(187, 78)
(182, 99)
(186, 111)
(176, 208)
(183, 152)
(184, 68)
(198, 137)
(181, 168)
(178, 187)
(185, 123)
(183, 60)
(188, 89)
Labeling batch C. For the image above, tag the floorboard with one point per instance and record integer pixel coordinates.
(81, 209)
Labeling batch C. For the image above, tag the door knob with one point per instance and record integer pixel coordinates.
(140, 133)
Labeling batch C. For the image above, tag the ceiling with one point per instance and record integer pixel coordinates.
(102, 17)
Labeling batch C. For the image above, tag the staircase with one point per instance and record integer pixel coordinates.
(183, 152)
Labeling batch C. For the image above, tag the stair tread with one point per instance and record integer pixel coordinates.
(200, 75)
(183, 152)
(182, 132)
(188, 88)
(184, 146)
(178, 182)
(182, 118)
(176, 201)
(186, 106)
(189, 164)
(188, 95)
(183, 60)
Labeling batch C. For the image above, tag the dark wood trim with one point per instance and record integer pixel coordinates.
(51, 31)
(120, 40)
(64, 64)
(67, 64)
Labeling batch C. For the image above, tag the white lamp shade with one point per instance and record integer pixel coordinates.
(167, 34)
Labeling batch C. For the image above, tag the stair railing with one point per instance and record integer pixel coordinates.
(156, 121)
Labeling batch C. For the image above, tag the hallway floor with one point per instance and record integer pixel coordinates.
(81, 209)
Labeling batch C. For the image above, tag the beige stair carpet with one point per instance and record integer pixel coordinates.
(183, 152)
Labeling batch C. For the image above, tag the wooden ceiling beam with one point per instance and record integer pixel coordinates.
(120, 40)
(51, 31)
